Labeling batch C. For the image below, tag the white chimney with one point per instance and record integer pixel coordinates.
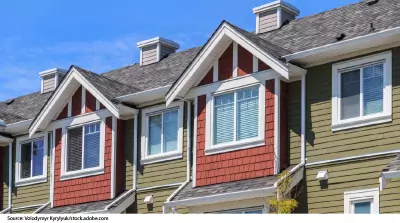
(272, 15)
(154, 50)
(51, 78)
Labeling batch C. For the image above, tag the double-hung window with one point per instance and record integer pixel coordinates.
(362, 202)
(162, 133)
(362, 92)
(84, 151)
(236, 119)
(31, 165)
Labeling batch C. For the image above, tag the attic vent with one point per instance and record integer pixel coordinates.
(371, 2)
(340, 37)
(9, 102)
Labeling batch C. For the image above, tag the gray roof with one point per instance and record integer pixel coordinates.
(394, 165)
(86, 207)
(321, 29)
(23, 108)
(189, 192)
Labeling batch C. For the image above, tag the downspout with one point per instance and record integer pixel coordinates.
(9, 175)
(189, 148)
(135, 132)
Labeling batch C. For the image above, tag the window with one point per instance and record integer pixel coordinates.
(255, 210)
(31, 165)
(362, 92)
(362, 202)
(162, 133)
(235, 119)
(84, 151)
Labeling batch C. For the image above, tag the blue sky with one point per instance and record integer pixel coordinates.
(102, 35)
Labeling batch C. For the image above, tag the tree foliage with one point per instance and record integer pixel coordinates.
(283, 203)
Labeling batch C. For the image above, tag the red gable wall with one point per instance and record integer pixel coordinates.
(236, 165)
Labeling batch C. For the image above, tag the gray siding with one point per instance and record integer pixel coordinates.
(165, 50)
(268, 21)
(48, 83)
(287, 16)
(149, 55)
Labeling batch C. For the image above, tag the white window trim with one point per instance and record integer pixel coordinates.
(385, 116)
(147, 159)
(68, 175)
(352, 197)
(32, 180)
(236, 145)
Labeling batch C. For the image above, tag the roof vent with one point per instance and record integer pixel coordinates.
(371, 2)
(274, 15)
(154, 50)
(51, 78)
(9, 102)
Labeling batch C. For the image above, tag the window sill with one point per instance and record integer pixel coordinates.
(31, 181)
(161, 158)
(235, 146)
(82, 173)
(361, 122)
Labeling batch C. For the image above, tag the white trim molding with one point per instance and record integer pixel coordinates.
(163, 156)
(277, 124)
(34, 179)
(353, 197)
(362, 120)
(236, 144)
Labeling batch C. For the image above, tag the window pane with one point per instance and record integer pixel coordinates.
(224, 119)
(362, 208)
(38, 153)
(26, 160)
(247, 113)
(74, 153)
(170, 131)
(350, 95)
(373, 89)
(92, 146)
(253, 212)
(154, 135)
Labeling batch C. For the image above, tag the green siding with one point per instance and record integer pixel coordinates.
(294, 121)
(31, 194)
(5, 177)
(26, 211)
(162, 173)
(350, 176)
(159, 196)
(322, 143)
(128, 148)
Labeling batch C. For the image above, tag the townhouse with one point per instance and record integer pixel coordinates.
(208, 129)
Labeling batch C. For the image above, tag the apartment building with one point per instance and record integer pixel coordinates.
(208, 129)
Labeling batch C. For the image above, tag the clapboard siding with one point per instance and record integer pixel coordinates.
(322, 143)
(5, 173)
(48, 83)
(149, 55)
(165, 50)
(294, 122)
(31, 194)
(268, 21)
(26, 211)
(350, 176)
(162, 173)
(159, 196)
(128, 147)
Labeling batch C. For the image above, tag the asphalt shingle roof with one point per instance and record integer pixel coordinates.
(321, 29)
(86, 207)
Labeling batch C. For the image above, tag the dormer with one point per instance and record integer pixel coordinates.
(51, 78)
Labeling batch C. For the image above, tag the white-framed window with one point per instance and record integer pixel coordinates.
(362, 92)
(362, 201)
(162, 133)
(31, 160)
(235, 119)
(251, 210)
(83, 150)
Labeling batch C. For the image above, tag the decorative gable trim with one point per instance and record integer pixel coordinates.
(63, 93)
(222, 37)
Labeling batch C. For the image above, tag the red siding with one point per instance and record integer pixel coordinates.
(245, 61)
(209, 78)
(76, 107)
(262, 66)
(236, 165)
(225, 64)
(90, 102)
(120, 167)
(284, 159)
(87, 189)
(64, 113)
